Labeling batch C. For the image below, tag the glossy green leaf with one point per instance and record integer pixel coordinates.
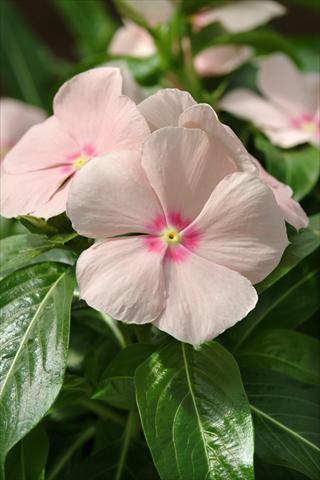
(195, 414)
(302, 244)
(286, 304)
(286, 420)
(28, 68)
(91, 24)
(299, 168)
(293, 353)
(27, 460)
(117, 383)
(34, 334)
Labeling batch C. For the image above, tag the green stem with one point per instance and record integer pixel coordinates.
(112, 324)
(81, 440)
(101, 410)
(130, 426)
(143, 333)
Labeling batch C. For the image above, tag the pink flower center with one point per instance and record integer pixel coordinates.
(172, 235)
(307, 122)
(77, 160)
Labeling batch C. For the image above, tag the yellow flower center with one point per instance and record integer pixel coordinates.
(80, 161)
(171, 236)
(309, 127)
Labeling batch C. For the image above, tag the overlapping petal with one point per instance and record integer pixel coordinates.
(120, 277)
(111, 196)
(164, 108)
(242, 227)
(221, 59)
(203, 299)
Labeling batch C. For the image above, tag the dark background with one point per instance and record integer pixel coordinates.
(49, 26)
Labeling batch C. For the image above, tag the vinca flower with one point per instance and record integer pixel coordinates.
(16, 118)
(176, 108)
(91, 118)
(289, 113)
(200, 235)
(221, 59)
(239, 16)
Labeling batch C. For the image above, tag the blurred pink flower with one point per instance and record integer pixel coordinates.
(290, 112)
(155, 12)
(292, 211)
(239, 16)
(16, 118)
(221, 59)
(91, 118)
(177, 108)
(133, 41)
(207, 235)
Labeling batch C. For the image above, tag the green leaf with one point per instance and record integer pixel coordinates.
(195, 414)
(117, 383)
(34, 334)
(286, 421)
(91, 24)
(293, 353)
(286, 304)
(299, 168)
(28, 458)
(28, 68)
(302, 244)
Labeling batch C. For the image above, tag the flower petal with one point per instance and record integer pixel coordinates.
(181, 169)
(242, 227)
(288, 137)
(44, 146)
(292, 211)
(287, 88)
(240, 16)
(246, 104)
(133, 41)
(122, 279)
(203, 299)
(90, 108)
(223, 139)
(111, 196)
(155, 12)
(16, 118)
(164, 108)
(29, 192)
(221, 59)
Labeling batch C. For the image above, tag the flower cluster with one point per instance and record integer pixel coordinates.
(186, 221)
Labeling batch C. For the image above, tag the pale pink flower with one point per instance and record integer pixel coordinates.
(239, 16)
(292, 211)
(176, 108)
(133, 41)
(207, 235)
(16, 118)
(290, 112)
(221, 59)
(155, 12)
(91, 118)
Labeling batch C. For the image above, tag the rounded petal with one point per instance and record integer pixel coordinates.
(16, 118)
(132, 40)
(44, 146)
(286, 88)
(240, 16)
(181, 168)
(246, 104)
(56, 204)
(291, 210)
(29, 192)
(130, 87)
(164, 108)
(203, 299)
(223, 139)
(288, 137)
(242, 227)
(221, 59)
(90, 108)
(122, 279)
(111, 196)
